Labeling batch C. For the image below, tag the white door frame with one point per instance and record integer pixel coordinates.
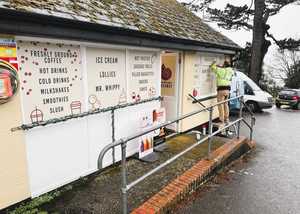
(177, 85)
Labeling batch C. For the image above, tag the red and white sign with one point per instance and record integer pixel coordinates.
(159, 117)
(5, 86)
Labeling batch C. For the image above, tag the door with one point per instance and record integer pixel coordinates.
(237, 89)
(169, 86)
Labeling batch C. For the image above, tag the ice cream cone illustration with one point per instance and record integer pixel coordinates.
(151, 92)
(95, 103)
(122, 98)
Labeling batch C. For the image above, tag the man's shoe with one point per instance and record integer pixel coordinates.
(221, 126)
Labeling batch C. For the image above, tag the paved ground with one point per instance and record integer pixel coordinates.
(269, 182)
(100, 193)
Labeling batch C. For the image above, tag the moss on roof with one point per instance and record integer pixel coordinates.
(164, 17)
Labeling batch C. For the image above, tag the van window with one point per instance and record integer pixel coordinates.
(248, 89)
(250, 82)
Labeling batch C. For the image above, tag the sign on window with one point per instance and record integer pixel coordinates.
(51, 80)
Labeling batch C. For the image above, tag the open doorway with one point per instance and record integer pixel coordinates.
(170, 85)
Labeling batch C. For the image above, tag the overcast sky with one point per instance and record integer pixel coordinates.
(285, 24)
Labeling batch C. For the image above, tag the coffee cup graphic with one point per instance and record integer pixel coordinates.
(75, 107)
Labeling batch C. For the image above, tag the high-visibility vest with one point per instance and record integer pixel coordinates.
(223, 75)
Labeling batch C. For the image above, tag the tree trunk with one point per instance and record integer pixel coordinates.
(258, 41)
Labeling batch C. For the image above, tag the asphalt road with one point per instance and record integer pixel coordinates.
(270, 181)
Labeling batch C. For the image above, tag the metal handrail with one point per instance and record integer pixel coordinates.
(248, 109)
(83, 114)
(123, 142)
(131, 137)
(204, 98)
(129, 186)
(196, 101)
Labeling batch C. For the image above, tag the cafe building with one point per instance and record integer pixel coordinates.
(76, 75)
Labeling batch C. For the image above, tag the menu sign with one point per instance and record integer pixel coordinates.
(204, 83)
(143, 75)
(51, 80)
(106, 77)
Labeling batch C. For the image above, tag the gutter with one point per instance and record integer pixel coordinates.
(24, 23)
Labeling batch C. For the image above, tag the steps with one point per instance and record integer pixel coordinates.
(192, 179)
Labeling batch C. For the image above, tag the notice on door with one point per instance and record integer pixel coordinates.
(168, 75)
(51, 80)
(106, 77)
(144, 75)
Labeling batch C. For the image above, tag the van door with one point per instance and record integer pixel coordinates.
(237, 89)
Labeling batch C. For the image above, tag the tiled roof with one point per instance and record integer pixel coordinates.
(163, 17)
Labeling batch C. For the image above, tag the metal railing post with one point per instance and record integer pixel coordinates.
(113, 133)
(210, 130)
(177, 126)
(124, 177)
(251, 130)
(240, 116)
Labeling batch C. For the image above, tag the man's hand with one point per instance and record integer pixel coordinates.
(213, 66)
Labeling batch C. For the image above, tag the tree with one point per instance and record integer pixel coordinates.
(268, 82)
(293, 79)
(242, 59)
(288, 65)
(249, 18)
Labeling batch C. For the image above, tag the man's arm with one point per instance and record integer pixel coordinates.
(214, 67)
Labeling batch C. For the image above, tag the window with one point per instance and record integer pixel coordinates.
(248, 89)
(288, 92)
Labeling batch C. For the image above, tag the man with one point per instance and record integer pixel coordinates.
(224, 75)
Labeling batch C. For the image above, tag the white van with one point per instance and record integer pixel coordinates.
(254, 96)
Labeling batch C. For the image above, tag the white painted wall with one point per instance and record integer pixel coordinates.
(61, 153)
(57, 154)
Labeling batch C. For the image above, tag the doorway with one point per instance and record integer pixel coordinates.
(170, 86)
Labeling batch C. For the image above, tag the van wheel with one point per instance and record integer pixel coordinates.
(253, 106)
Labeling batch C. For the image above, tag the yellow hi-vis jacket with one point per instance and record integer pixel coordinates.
(224, 75)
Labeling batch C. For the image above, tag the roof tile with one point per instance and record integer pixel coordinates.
(164, 17)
